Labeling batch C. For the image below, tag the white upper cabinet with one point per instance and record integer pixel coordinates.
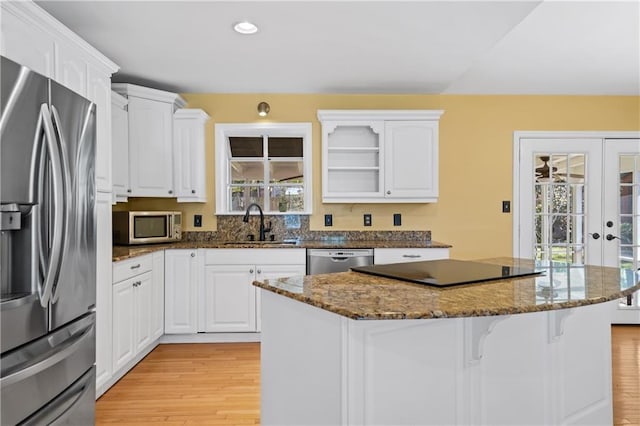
(150, 114)
(189, 155)
(379, 156)
(120, 146)
(31, 37)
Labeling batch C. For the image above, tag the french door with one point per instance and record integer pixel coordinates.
(577, 200)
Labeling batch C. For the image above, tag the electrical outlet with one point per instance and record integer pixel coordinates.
(506, 206)
(397, 219)
(367, 219)
(197, 220)
(328, 220)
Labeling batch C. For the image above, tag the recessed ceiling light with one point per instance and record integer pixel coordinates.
(245, 27)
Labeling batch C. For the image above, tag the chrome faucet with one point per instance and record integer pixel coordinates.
(263, 230)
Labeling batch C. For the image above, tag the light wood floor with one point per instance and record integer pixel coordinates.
(625, 354)
(219, 384)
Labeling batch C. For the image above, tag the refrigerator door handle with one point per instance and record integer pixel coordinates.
(58, 207)
(66, 185)
(44, 361)
(63, 406)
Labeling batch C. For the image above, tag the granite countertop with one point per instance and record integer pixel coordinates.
(126, 252)
(361, 296)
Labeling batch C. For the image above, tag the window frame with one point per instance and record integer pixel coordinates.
(223, 159)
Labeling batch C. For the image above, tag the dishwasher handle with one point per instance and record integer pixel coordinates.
(339, 259)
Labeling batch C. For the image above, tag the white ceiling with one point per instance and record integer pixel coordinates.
(425, 47)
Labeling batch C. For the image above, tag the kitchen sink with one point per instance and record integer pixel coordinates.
(252, 243)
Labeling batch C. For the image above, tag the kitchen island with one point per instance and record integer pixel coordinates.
(355, 349)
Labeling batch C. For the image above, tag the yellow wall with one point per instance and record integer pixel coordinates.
(476, 139)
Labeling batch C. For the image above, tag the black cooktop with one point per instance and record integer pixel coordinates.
(446, 272)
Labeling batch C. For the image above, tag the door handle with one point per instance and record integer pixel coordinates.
(610, 237)
(595, 235)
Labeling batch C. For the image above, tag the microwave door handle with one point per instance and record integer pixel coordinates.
(66, 190)
(53, 263)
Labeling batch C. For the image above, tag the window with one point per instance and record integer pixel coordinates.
(267, 164)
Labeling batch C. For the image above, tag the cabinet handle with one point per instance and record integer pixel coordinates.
(170, 191)
(388, 192)
(135, 266)
(193, 191)
(259, 271)
(193, 255)
(411, 256)
(251, 271)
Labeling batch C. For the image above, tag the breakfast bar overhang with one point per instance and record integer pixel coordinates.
(356, 349)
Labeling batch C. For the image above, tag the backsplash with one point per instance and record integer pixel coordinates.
(231, 228)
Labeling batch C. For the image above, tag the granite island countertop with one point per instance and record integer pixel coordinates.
(126, 252)
(361, 296)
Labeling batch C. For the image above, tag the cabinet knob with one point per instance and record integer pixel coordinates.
(129, 191)
(251, 271)
(193, 191)
(170, 191)
(259, 271)
(388, 192)
(193, 255)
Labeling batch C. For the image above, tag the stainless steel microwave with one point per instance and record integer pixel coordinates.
(136, 227)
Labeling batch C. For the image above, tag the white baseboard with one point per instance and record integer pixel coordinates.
(210, 338)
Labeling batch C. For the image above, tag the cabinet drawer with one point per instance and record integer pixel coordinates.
(387, 255)
(129, 268)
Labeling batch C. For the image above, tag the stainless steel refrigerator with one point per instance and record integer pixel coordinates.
(47, 251)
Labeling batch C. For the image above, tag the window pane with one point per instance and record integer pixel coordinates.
(241, 196)
(286, 198)
(286, 171)
(246, 146)
(248, 172)
(285, 147)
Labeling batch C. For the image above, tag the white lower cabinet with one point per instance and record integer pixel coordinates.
(231, 301)
(104, 284)
(137, 296)
(400, 255)
(181, 291)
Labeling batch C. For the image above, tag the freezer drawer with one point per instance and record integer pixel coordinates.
(32, 375)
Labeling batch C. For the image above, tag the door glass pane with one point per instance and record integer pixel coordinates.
(627, 167)
(629, 221)
(559, 217)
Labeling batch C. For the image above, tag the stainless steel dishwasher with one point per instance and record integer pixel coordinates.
(325, 261)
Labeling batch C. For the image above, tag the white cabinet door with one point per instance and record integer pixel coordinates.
(230, 298)
(103, 290)
(157, 278)
(150, 147)
(189, 155)
(120, 146)
(71, 69)
(100, 93)
(401, 255)
(268, 272)
(180, 294)
(123, 323)
(144, 310)
(411, 159)
(23, 42)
